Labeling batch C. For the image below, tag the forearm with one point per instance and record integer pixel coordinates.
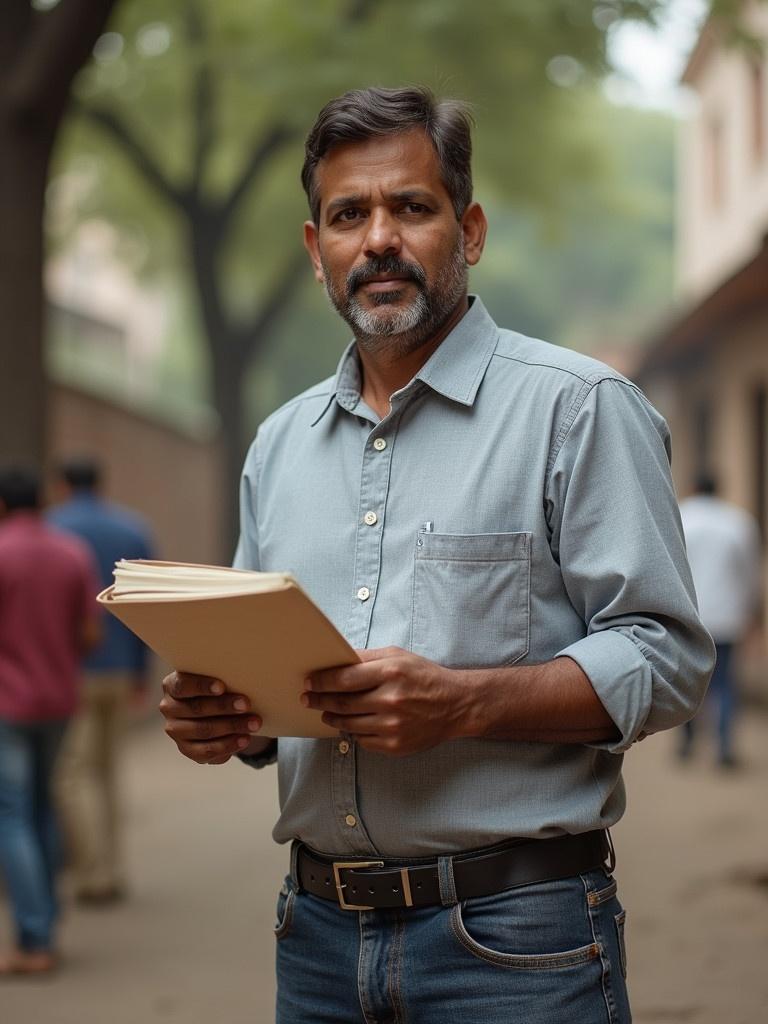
(549, 703)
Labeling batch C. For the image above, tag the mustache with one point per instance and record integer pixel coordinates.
(385, 265)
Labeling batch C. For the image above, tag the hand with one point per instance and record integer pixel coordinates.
(394, 702)
(207, 724)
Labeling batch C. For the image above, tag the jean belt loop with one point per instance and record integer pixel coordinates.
(447, 883)
(294, 869)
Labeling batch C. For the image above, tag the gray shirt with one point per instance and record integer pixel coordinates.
(514, 505)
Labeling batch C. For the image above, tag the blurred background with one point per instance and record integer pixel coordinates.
(156, 304)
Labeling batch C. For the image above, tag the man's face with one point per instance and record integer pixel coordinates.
(388, 247)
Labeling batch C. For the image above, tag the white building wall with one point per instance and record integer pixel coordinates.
(714, 240)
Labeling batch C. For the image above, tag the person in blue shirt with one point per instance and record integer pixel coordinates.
(115, 674)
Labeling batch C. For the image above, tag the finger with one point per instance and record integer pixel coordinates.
(357, 725)
(377, 653)
(361, 702)
(349, 678)
(210, 751)
(186, 684)
(212, 728)
(204, 707)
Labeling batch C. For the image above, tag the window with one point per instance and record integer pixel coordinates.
(757, 108)
(715, 161)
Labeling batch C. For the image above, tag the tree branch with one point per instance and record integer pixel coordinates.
(136, 152)
(58, 46)
(251, 335)
(270, 142)
(202, 97)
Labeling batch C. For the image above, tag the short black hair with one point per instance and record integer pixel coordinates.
(706, 483)
(82, 473)
(19, 488)
(372, 113)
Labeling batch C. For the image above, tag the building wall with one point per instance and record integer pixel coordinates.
(171, 477)
(716, 235)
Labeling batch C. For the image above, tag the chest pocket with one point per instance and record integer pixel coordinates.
(471, 598)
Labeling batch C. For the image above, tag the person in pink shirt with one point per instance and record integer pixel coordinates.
(48, 621)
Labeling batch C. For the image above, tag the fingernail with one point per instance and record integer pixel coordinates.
(243, 742)
(217, 688)
(241, 704)
(307, 683)
(254, 724)
(304, 698)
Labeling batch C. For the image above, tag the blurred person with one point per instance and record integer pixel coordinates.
(723, 542)
(115, 676)
(48, 620)
(491, 521)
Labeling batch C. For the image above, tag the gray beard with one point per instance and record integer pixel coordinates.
(402, 330)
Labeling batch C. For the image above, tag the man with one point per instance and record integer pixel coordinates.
(723, 544)
(48, 620)
(490, 521)
(115, 675)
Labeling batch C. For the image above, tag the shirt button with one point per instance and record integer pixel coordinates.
(363, 593)
(351, 820)
(370, 518)
(343, 747)
(379, 444)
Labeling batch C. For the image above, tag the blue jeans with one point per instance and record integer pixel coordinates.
(29, 843)
(722, 692)
(547, 953)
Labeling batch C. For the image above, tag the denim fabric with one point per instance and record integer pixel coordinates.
(514, 505)
(722, 694)
(548, 953)
(29, 842)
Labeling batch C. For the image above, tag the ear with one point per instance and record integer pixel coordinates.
(474, 228)
(312, 245)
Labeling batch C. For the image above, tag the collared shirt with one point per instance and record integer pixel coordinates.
(514, 505)
(723, 544)
(47, 581)
(111, 532)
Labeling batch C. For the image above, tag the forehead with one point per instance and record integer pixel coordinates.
(392, 163)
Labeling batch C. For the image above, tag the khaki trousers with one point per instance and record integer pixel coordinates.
(88, 784)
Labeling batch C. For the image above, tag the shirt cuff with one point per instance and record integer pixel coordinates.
(621, 677)
(267, 756)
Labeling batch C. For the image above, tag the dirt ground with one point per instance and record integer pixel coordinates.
(194, 942)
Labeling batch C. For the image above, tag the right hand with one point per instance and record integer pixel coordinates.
(206, 723)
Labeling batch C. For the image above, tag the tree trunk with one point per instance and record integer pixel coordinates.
(24, 154)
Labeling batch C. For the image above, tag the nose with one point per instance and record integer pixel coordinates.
(383, 235)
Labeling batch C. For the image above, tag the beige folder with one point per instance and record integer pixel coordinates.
(259, 644)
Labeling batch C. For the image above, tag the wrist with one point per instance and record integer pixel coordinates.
(474, 703)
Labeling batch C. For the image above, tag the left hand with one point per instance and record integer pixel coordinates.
(393, 702)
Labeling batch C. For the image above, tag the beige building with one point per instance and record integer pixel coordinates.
(707, 370)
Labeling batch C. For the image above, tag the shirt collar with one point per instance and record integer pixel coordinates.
(455, 369)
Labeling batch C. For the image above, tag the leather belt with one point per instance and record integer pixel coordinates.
(359, 884)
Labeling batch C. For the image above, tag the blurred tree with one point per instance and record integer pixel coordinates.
(209, 104)
(42, 46)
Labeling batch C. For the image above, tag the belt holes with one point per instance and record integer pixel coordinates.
(354, 888)
(395, 889)
(372, 892)
(418, 885)
(327, 881)
(312, 878)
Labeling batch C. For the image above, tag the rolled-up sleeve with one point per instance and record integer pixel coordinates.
(616, 532)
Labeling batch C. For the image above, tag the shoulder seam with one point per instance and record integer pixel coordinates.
(589, 384)
(594, 377)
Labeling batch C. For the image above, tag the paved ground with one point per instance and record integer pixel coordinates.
(194, 943)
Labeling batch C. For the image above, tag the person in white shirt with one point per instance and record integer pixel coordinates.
(724, 552)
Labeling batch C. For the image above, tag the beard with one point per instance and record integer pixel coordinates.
(399, 328)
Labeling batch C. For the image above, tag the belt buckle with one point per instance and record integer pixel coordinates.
(338, 866)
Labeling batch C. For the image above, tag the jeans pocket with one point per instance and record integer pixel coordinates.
(471, 598)
(620, 921)
(284, 913)
(534, 928)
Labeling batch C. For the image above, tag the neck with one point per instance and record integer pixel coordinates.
(386, 368)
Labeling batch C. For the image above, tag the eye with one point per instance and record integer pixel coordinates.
(348, 215)
(415, 208)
